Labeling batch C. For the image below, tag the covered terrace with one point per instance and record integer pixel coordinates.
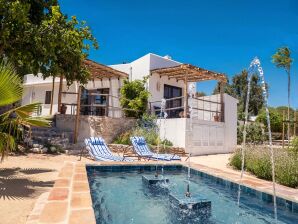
(190, 73)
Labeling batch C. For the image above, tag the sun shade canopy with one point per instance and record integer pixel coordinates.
(99, 71)
(190, 73)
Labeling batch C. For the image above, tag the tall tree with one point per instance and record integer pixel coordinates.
(282, 59)
(37, 37)
(238, 89)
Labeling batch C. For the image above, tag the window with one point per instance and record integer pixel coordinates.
(173, 92)
(48, 97)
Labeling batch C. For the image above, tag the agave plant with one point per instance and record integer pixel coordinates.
(12, 121)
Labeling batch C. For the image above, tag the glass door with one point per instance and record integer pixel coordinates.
(172, 92)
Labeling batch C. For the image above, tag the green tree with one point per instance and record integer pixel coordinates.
(37, 37)
(134, 98)
(282, 59)
(275, 119)
(238, 89)
(10, 122)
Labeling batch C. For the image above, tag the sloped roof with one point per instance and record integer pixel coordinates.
(100, 71)
(190, 72)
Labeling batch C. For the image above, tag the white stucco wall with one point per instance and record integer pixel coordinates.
(174, 130)
(201, 137)
(141, 68)
(230, 122)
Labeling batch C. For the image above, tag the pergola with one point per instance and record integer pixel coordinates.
(98, 72)
(191, 73)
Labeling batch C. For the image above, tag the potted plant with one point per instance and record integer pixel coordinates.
(216, 117)
(63, 109)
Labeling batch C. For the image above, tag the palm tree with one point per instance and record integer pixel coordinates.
(282, 59)
(11, 91)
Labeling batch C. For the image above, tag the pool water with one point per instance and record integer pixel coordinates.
(121, 197)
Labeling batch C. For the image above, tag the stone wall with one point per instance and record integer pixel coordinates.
(107, 127)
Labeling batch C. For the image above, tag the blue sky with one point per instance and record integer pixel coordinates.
(219, 35)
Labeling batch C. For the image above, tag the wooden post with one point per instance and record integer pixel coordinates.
(185, 96)
(283, 129)
(52, 95)
(60, 93)
(111, 95)
(77, 121)
(119, 94)
(222, 105)
(107, 106)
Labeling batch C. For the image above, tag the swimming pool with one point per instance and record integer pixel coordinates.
(119, 196)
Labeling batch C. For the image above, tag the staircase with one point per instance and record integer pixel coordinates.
(51, 136)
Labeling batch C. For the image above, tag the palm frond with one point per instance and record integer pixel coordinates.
(36, 121)
(23, 116)
(11, 89)
(7, 144)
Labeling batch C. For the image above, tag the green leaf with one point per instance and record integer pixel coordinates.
(11, 89)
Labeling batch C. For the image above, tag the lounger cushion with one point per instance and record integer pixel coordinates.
(142, 149)
(98, 150)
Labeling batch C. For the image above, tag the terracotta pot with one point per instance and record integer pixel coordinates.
(216, 118)
(63, 109)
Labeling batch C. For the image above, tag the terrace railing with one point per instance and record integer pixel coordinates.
(208, 108)
(108, 106)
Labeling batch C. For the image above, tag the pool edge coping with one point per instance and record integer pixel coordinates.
(72, 181)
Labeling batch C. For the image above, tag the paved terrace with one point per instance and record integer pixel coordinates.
(69, 201)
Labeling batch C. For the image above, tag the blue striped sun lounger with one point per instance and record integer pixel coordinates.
(142, 150)
(98, 150)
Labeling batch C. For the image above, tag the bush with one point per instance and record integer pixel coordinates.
(235, 160)
(275, 119)
(286, 171)
(134, 98)
(254, 133)
(294, 146)
(258, 162)
(146, 127)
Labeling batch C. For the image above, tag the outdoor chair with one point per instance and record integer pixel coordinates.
(98, 150)
(142, 150)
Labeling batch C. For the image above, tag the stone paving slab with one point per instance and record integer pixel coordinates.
(69, 201)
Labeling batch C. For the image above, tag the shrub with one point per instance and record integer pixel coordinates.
(146, 127)
(235, 160)
(286, 168)
(254, 133)
(294, 146)
(258, 162)
(275, 119)
(134, 98)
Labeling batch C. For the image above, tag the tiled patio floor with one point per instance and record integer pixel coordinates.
(69, 201)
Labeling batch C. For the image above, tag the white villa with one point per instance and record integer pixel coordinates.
(212, 128)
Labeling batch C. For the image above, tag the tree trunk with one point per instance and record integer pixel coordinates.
(60, 93)
(289, 92)
(52, 96)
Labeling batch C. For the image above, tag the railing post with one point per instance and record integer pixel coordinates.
(185, 96)
(222, 104)
(111, 95)
(77, 121)
(107, 105)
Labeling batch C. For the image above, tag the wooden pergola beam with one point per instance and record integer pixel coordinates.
(195, 74)
(100, 71)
